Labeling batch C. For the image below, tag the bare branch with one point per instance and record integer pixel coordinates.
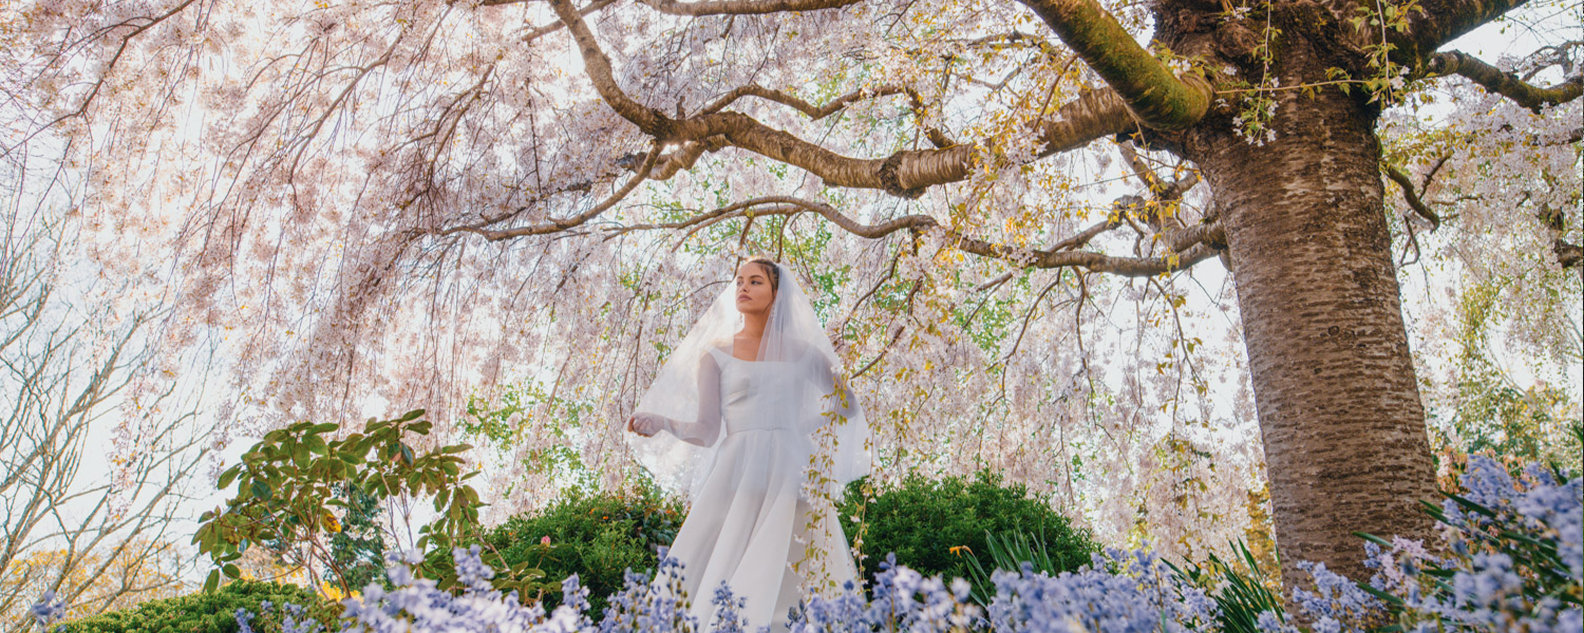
(1412, 197)
(1093, 115)
(814, 112)
(1188, 246)
(1441, 21)
(1505, 84)
(742, 7)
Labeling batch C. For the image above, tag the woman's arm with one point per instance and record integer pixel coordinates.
(706, 429)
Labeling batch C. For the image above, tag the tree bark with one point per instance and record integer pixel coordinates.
(1344, 429)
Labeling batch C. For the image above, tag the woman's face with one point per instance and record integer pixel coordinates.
(753, 288)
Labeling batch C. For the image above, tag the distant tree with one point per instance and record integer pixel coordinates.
(92, 473)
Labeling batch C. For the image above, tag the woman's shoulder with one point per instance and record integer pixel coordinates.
(718, 350)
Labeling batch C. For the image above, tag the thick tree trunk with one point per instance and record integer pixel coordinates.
(1344, 429)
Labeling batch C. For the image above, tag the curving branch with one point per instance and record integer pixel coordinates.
(742, 7)
(547, 29)
(1441, 21)
(1400, 177)
(813, 112)
(1158, 98)
(598, 68)
(905, 173)
(908, 173)
(1505, 84)
(1188, 247)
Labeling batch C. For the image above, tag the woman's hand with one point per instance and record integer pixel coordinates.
(645, 424)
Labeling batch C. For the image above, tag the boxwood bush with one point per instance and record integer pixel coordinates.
(595, 535)
(933, 524)
(214, 612)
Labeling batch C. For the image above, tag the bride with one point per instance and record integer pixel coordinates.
(750, 417)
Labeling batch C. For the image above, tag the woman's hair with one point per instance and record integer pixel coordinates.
(770, 268)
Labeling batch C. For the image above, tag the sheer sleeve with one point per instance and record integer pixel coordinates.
(706, 429)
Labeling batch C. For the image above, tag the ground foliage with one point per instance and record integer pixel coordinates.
(215, 612)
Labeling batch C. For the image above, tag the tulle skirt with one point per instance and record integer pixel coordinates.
(749, 526)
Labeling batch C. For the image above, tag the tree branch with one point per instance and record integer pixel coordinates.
(1441, 21)
(1092, 115)
(688, 154)
(554, 26)
(905, 173)
(598, 68)
(814, 112)
(1158, 98)
(1568, 255)
(1505, 84)
(742, 7)
(1412, 197)
(1189, 246)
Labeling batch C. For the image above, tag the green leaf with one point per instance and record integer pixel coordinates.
(1471, 505)
(261, 490)
(228, 476)
(232, 570)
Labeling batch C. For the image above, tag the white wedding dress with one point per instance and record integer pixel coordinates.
(750, 523)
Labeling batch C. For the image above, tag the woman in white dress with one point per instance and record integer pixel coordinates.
(750, 418)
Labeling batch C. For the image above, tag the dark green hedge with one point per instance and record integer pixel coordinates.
(212, 612)
(600, 535)
(921, 519)
(597, 536)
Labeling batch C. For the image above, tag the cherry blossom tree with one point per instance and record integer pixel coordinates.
(414, 201)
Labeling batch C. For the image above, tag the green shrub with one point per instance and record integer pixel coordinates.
(1241, 589)
(934, 524)
(286, 488)
(213, 612)
(597, 536)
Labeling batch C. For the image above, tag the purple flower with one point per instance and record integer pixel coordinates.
(48, 609)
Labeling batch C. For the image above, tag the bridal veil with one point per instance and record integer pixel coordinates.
(802, 362)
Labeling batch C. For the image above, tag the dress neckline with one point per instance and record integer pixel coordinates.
(731, 356)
